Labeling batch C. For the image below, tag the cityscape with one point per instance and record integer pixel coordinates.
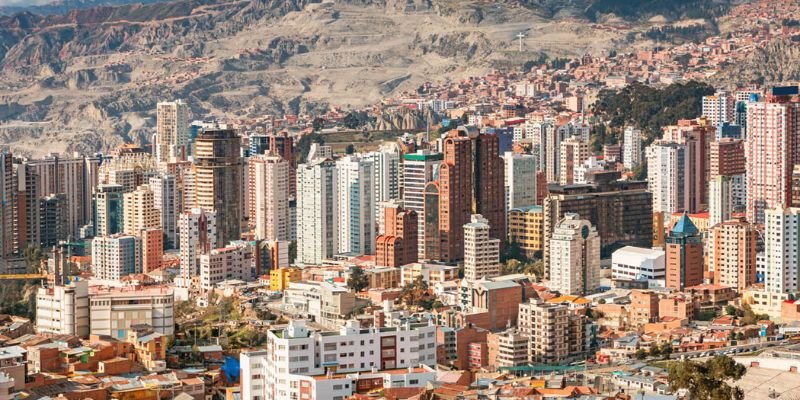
(620, 225)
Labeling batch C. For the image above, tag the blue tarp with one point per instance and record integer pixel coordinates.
(231, 369)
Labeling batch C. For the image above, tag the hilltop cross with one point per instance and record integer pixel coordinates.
(520, 36)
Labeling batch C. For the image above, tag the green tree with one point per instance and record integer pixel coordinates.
(513, 251)
(537, 269)
(350, 149)
(730, 310)
(666, 350)
(303, 145)
(317, 124)
(351, 121)
(708, 380)
(641, 354)
(655, 351)
(358, 280)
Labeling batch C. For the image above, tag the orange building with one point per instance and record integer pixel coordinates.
(732, 253)
(152, 249)
(398, 245)
(643, 308)
(455, 196)
(684, 255)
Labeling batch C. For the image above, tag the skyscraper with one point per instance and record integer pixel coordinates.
(489, 185)
(271, 197)
(355, 190)
(198, 235)
(172, 131)
(115, 256)
(481, 251)
(317, 219)
(622, 211)
(684, 255)
(140, 211)
(108, 214)
(666, 178)
(632, 147)
(419, 169)
(720, 199)
(574, 257)
(8, 197)
(455, 196)
(732, 253)
(166, 199)
(573, 153)
(719, 108)
(520, 180)
(782, 250)
(53, 220)
(728, 159)
(773, 137)
(398, 245)
(219, 173)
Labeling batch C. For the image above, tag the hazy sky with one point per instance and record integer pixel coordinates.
(23, 2)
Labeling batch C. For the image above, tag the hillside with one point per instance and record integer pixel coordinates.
(88, 79)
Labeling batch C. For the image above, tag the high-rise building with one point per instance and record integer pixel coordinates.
(108, 214)
(398, 244)
(782, 250)
(166, 199)
(732, 253)
(555, 331)
(622, 211)
(419, 169)
(9, 242)
(489, 185)
(198, 235)
(481, 251)
(455, 196)
(115, 256)
(140, 211)
(720, 199)
(73, 177)
(151, 244)
(526, 229)
(727, 159)
(573, 153)
(551, 152)
(172, 131)
(719, 108)
(317, 219)
(773, 137)
(574, 257)
(520, 177)
(386, 179)
(677, 168)
(219, 173)
(684, 255)
(271, 197)
(355, 190)
(795, 201)
(53, 220)
(632, 147)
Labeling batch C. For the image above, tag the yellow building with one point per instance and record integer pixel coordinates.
(526, 227)
(150, 348)
(658, 229)
(280, 278)
(700, 220)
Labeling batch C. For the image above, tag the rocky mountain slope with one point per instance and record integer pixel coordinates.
(89, 79)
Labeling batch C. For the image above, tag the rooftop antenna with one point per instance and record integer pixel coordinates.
(520, 36)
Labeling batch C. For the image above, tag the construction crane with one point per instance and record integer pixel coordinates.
(7, 277)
